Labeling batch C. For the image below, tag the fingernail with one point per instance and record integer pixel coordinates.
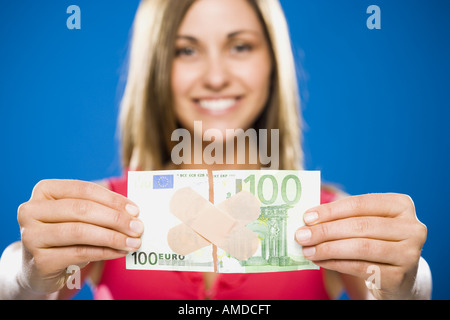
(133, 210)
(310, 217)
(133, 243)
(303, 235)
(137, 226)
(309, 251)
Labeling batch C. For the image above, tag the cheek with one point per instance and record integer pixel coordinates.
(181, 80)
(256, 76)
(178, 82)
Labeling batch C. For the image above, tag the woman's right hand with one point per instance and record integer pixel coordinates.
(69, 222)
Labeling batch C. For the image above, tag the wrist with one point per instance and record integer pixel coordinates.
(423, 283)
(14, 279)
(26, 292)
(417, 286)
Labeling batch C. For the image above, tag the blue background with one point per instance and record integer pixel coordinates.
(375, 102)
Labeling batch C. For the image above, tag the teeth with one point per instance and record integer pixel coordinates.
(217, 105)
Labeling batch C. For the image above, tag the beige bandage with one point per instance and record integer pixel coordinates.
(204, 223)
(184, 240)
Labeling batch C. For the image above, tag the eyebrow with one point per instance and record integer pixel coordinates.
(190, 38)
(229, 36)
(236, 33)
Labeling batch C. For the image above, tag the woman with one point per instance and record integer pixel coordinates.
(229, 65)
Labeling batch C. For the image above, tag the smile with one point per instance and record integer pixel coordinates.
(217, 105)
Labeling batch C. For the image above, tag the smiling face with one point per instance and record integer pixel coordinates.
(222, 69)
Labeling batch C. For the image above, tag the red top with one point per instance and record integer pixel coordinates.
(119, 283)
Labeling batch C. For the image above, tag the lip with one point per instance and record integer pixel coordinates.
(219, 111)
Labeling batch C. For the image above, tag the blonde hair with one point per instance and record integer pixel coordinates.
(147, 119)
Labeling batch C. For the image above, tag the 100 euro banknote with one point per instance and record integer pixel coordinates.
(174, 202)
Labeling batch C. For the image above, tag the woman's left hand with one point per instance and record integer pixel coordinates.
(364, 234)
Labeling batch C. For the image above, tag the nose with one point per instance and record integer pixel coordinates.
(216, 76)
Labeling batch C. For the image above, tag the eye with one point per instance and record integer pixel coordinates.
(186, 51)
(241, 48)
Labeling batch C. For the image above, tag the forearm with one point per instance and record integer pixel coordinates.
(12, 286)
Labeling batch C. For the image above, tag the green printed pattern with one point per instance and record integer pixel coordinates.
(282, 205)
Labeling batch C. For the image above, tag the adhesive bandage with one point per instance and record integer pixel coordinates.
(223, 225)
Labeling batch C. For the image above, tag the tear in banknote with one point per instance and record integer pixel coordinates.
(181, 225)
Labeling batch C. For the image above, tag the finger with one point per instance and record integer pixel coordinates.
(50, 260)
(385, 205)
(75, 233)
(75, 189)
(380, 278)
(363, 269)
(377, 251)
(73, 210)
(357, 227)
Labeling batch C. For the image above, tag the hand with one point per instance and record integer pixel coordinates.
(359, 234)
(68, 222)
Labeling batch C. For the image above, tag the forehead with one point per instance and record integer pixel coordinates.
(216, 17)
